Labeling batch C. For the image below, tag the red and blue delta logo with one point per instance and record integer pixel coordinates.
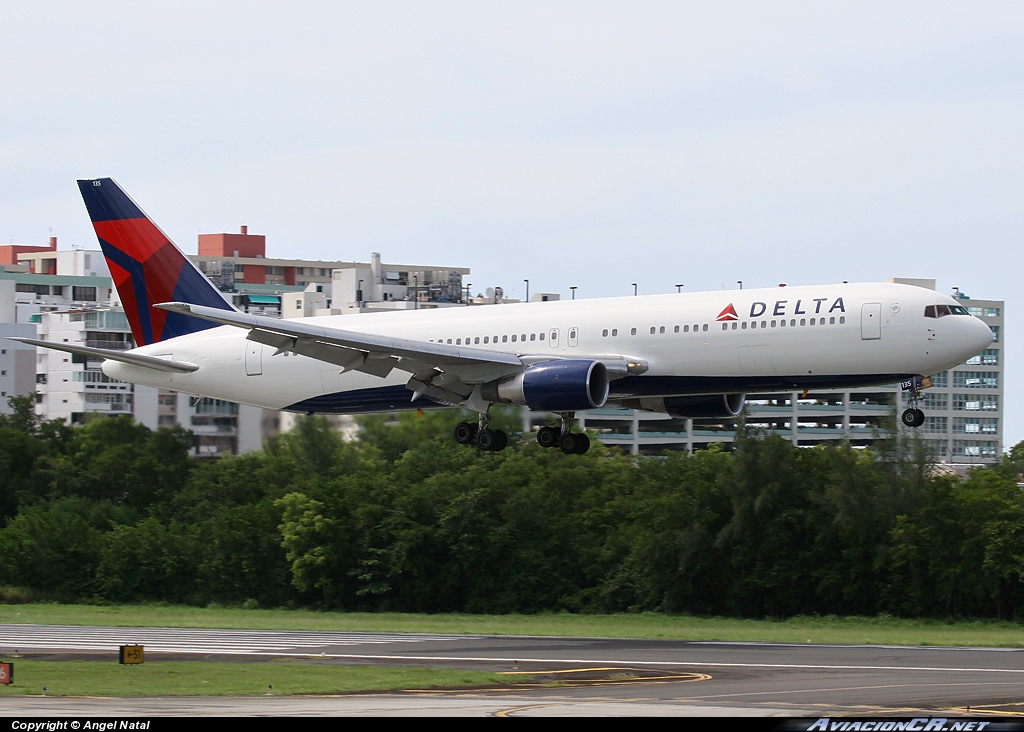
(728, 314)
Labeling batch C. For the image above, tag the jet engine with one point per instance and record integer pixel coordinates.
(694, 407)
(553, 386)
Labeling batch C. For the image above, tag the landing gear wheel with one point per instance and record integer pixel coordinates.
(486, 439)
(465, 433)
(574, 443)
(548, 436)
(912, 417)
(491, 440)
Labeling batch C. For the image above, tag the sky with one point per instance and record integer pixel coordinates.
(588, 144)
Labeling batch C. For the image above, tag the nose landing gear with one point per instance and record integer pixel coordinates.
(913, 417)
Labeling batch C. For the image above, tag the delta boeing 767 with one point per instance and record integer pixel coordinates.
(688, 355)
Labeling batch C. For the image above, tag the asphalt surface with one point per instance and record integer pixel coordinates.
(601, 676)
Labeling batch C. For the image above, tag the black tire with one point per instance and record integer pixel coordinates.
(465, 433)
(548, 436)
(569, 443)
(583, 444)
(912, 418)
(502, 441)
(486, 439)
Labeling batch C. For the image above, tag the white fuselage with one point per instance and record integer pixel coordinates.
(826, 336)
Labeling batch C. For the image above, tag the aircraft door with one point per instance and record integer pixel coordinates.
(253, 358)
(573, 336)
(871, 321)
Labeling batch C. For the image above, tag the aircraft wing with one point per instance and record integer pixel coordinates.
(448, 373)
(442, 371)
(136, 359)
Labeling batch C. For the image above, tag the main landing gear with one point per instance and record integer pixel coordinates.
(467, 433)
(913, 417)
(571, 443)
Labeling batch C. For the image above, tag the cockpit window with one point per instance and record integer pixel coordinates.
(939, 311)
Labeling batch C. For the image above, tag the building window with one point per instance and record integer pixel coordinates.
(976, 379)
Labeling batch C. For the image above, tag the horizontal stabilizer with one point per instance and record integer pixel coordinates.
(149, 362)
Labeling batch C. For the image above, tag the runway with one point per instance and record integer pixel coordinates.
(609, 677)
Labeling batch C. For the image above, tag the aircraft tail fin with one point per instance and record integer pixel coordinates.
(146, 266)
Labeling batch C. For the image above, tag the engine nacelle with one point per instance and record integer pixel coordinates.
(692, 407)
(553, 386)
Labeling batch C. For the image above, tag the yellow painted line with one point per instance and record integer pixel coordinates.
(513, 710)
(571, 670)
(979, 710)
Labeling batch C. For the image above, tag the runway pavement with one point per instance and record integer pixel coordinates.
(610, 677)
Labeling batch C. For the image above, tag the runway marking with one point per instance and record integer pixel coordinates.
(196, 640)
(630, 662)
(513, 710)
(981, 710)
(684, 678)
(847, 688)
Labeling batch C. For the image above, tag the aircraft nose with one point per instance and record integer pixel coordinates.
(980, 336)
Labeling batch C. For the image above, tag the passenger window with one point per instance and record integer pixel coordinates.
(686, 329)
(764, 323)
(523, 337)
(476, 340)
(458, 341)
(449, 341)
(803, 321)
(485, 339)
(513, 337)
(604, 332)
(542, 336)
(632, 331)
(842, 319)
(661, 329)
(615, 332)
(753, 324)
(744, 326)
(725, 326)
(792, 323)
(652, 330)
(705, 327)
(831, 321)
(676, 329)
(782, 323)
(533, 336)
(504, 339)
(734, 325)
(773, 323)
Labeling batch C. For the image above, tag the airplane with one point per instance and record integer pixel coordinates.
(685, 354)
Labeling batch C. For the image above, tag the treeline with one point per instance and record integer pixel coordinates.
(405, 519)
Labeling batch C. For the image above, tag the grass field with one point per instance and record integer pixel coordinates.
(829, 629)
(193, 678)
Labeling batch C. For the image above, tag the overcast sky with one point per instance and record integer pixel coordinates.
(589, 144)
